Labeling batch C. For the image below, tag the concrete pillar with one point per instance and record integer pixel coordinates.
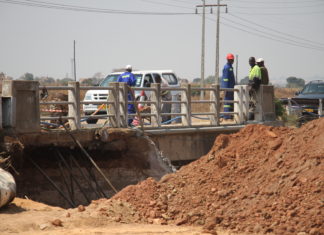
(320, 107)
(21, 105)
(113, 96)
(74, 109)
(266, 104)
(238, 107)
(123, 103)
(186, 106)
(156, 106)
(246, 102)
(242, 107)
(215, 106)
(176, 108)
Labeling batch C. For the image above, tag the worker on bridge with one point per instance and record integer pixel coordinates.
(264, 72)
(228, 81)
(129, 78)
(254, 83)
(255, 74)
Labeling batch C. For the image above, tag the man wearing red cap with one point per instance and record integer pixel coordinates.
(228, 81)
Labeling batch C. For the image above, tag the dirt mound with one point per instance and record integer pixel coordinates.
(261, 180)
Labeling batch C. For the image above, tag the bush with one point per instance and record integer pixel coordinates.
(279, 108)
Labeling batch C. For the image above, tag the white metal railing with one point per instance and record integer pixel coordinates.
(117, 102)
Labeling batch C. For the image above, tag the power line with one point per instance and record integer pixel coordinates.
(283, 13)
(86, 9)
(278, 2)
(277, 7)
(289, 40)
(265, 35)
(274, 30)
(166, 4)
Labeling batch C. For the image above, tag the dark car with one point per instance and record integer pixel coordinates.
(308, 99)
(312, 90)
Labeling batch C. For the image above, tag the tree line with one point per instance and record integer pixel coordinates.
(292, 82)
(46, 80)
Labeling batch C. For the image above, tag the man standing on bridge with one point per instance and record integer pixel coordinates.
(228, 81)
(254, 83)
(255, 74)
(264, 72)
(130, 80)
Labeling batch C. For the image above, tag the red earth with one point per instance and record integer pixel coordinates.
(260, 180)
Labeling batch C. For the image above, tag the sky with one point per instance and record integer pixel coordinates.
(37, 36)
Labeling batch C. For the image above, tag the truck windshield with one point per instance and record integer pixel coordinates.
(138, 79)
(170, 78)
(114, 77)
(109, 79)
(314, 89)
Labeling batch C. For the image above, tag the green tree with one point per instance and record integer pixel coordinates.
(210, 79)
(196, 80)
(27, 77)
(293, 82)
(64, 81)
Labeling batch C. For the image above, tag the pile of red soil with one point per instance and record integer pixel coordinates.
(260, 180)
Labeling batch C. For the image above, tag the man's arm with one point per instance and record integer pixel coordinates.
(225, 78)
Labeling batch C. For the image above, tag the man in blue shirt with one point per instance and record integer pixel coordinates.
(130, 80)
(228, 81)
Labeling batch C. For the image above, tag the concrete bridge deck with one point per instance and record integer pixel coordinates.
(177, 144)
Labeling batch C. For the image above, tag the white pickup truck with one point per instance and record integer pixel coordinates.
(142, 79)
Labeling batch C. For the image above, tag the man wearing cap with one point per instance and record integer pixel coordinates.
(228, 81)
(130, 80)
(264, 72)
(254, 83)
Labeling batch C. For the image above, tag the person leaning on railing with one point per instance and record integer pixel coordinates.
(264, 72)
(254, 83)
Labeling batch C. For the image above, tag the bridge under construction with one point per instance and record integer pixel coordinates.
(75, 163)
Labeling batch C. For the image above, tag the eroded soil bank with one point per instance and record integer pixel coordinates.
(260, 180)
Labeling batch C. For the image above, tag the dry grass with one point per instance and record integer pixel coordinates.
(285, 92)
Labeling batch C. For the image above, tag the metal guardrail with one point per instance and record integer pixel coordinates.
(299, 102)
(117, 102)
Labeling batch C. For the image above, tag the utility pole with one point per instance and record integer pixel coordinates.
(236, 72)
(218, 5)
(202, 76)
(72, 69)
(74, 64)
(217, 46)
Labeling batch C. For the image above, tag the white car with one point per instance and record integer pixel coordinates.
(143, 79)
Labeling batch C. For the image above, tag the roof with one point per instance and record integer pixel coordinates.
(147, 71)
(317, 81)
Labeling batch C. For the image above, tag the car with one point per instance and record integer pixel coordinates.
(143, 79)
(306, 102)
